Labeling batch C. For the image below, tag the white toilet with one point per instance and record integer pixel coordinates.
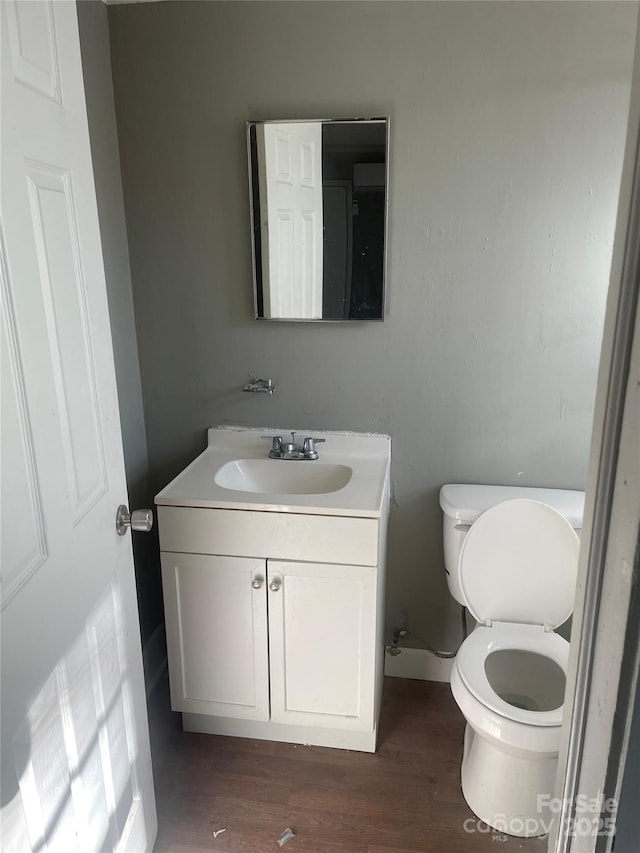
(511, 558)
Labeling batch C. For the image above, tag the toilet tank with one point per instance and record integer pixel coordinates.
(462, 504)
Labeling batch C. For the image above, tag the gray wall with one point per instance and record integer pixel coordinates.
(96, 66)
(508, 125)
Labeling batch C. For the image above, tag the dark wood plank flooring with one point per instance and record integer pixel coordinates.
(404, 799)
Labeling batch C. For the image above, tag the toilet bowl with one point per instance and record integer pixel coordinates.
(516, 573)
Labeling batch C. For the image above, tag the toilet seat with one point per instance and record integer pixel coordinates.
(483, 641)
(517, 570)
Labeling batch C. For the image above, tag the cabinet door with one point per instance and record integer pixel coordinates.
(322, 644)
(216, 623)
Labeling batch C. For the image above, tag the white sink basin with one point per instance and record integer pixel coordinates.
(283, 477)
(350, 478)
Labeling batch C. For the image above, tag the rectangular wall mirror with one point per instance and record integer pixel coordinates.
(318, 192)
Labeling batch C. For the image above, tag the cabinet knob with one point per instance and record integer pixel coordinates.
(256, 583)
(274, 586)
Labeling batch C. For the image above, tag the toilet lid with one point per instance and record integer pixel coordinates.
(518, 563)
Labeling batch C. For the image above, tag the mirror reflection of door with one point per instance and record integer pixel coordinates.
(290, 183)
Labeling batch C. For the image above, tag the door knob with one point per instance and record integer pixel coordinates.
(274, 586)
(140, 520)
(256, 583)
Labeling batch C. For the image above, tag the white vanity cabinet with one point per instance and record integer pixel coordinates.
(274, 617)
(284, 649)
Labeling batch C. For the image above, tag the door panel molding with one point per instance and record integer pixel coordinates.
(64, 301)
(36, 68)
(24, 550)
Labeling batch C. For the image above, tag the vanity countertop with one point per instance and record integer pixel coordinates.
(367, 455)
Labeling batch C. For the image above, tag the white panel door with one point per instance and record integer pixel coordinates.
(290, 185)
(216, 620)
(75, 757)
(322, 644)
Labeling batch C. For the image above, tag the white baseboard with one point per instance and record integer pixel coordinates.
(154, 658)
(418, 663)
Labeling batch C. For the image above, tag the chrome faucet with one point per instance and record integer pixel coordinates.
(291, 449)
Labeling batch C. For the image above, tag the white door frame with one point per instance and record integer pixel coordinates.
(605, 656)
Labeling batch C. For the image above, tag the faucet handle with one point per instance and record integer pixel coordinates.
(309, 446)
(276, 442)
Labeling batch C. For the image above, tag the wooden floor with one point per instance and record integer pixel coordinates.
(404, 799)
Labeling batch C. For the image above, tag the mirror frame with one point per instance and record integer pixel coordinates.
(252, 214)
